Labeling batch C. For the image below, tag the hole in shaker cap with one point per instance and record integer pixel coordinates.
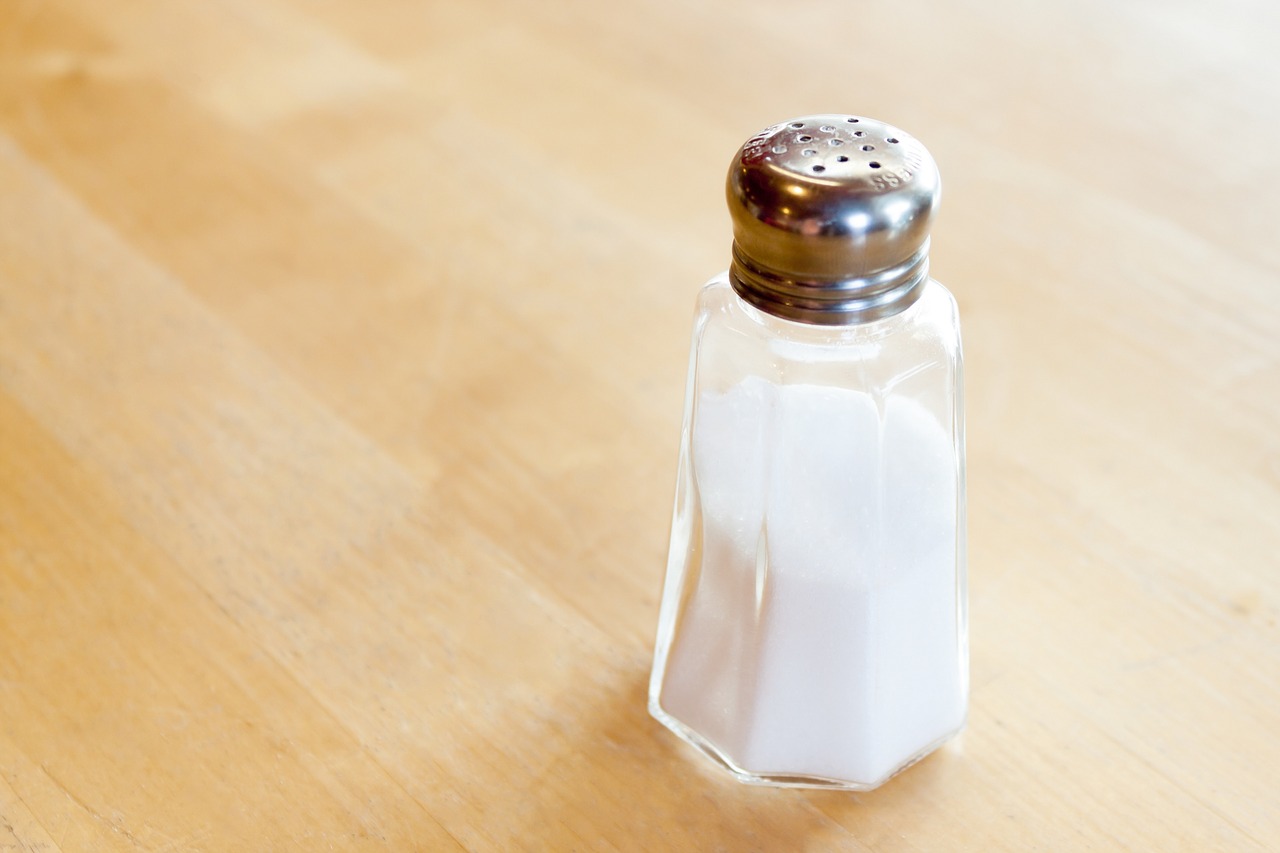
(779, 149)
(797, 124)
(873, 164)
(835, 140)
(842, 159)
(852, 120)
(819, 168)
(892, 141)
(868, 148)
(859, 133)
(808, 152)
(826, 128)
(805, 138)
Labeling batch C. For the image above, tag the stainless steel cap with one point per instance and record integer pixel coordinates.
(831, 219)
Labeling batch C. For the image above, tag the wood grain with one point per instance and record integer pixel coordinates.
(342, 353)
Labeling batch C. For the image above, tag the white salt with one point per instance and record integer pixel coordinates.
(822, 635)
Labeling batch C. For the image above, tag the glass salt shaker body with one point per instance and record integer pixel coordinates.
(813, 628)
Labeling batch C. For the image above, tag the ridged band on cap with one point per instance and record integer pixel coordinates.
(831, 302)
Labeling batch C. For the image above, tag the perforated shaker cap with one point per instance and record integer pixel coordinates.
(831, 217)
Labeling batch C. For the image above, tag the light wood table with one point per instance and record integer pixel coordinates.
(342, 351)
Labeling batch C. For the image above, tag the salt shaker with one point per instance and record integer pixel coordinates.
(813, 629)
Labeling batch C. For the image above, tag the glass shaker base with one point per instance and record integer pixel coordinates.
(783, 780)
